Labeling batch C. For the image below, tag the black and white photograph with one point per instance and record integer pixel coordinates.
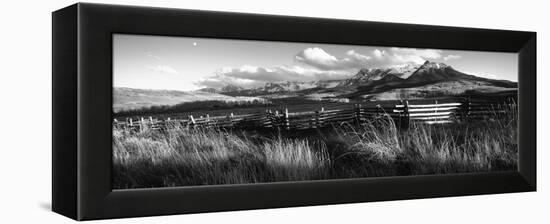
(193, 111)
(277, 111)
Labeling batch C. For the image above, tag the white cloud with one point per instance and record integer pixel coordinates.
(356, 56)
(317, 64)
(451, 57)
(420, 53)
(317, 55)
(320, 59)
(378, 53)
(399, 56)
(376, 58)
(248, 76)
(163, 69)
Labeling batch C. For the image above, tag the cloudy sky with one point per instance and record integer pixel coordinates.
(181, 63)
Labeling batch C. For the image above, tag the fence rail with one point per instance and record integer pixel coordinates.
(403, 114)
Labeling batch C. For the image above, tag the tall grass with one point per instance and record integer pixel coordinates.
(182, 157)
(211, 156)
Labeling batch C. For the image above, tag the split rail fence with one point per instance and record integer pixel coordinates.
(403, 114)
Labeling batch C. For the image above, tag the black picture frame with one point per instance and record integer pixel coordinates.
(82, 110)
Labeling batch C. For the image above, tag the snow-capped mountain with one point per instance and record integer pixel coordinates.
(430, 74)
(406, 70)
(368, 75)
(436, 71)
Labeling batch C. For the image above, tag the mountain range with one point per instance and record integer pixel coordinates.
(375, 80)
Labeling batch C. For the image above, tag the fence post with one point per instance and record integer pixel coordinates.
(436, 107)
(467, 108)
(128, 124)
(402, 114)
(287, 121)
(319, 117)
(191, 121)
(267, 123)
(407, 116)
(142, 124)
(231, 120)
(277, 121)
(358, 113)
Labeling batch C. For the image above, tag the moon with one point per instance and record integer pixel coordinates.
(194, 43)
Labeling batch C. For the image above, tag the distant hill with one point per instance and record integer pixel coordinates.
(129, 98)
(279, 87)
(231, 88)
(209, 90)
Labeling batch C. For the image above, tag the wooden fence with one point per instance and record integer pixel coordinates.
(403, 114)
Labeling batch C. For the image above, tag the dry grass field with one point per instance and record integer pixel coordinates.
(179, 156)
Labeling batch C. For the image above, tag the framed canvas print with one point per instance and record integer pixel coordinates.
(167, 111)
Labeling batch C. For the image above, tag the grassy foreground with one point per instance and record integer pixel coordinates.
(182, 157)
